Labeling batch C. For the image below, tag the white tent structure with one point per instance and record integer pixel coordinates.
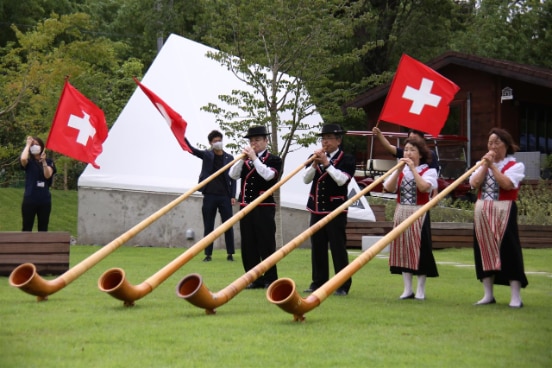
(142, 166)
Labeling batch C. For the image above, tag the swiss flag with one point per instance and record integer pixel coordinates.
(175, 121)
(419, 97)
(79, 128)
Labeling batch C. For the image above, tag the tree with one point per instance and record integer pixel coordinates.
(33, 73)
(284, 51)
(143, 24)
(515, 30)
(25, 14)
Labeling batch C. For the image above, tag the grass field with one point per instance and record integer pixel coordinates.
(62, 218)
(80, 326)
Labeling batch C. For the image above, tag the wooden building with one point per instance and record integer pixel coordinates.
(493, 93)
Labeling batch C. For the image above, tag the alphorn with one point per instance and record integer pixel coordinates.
(114, 282)
(283, 293)
(27, 279)
(193, 289)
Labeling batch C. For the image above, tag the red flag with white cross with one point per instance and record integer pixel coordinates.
(419, 97)
(79, 127)
(176, 122)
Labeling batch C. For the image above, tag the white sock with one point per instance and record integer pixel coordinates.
(488, 289)
(420, 290)
(515, 289)
(407, 280)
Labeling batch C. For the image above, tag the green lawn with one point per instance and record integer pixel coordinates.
(80, 326)
(62, 218)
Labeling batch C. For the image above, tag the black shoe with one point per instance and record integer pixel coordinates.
(207, 259)
(255, 286)
(492, 301)
(230, 258)
(516, 306)
(340, 292)
(411, 296)
(310, 289)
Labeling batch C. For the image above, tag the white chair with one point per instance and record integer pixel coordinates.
(381, 165)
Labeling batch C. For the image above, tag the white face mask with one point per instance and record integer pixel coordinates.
(217, 146)
(35, 149)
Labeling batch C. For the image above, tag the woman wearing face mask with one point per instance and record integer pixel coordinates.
(411, 253)
(39, 173)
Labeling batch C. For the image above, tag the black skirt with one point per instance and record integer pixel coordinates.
(427, 265)
(511, 257)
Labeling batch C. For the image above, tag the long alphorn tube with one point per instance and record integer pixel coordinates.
(27, 279)
(283, 293)
(114, 282)
(193, 289)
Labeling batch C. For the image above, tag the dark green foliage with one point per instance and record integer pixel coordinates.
(348, 47)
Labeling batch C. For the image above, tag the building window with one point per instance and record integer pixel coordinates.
(536, 128)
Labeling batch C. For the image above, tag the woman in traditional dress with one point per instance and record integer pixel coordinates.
(411, 253)
(497, 249)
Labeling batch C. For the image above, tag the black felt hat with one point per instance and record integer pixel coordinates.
(256, 131)
(332, 129)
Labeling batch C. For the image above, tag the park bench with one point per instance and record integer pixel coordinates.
(48, 251)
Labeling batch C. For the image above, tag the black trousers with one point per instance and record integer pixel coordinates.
(334, 235)
(258, 242)
(31, 210)
(212, 203)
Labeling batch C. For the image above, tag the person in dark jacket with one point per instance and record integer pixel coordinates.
(330, 173)
(259, 170)
(39, 175)
(219, 194)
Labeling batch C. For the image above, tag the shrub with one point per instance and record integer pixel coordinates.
(534, 207)
(535, 204)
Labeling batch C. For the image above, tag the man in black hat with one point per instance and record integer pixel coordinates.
(259, 170)
(330, 172)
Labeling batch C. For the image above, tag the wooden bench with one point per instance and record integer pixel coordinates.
(357, 229)
(447, 234)
(48, 251)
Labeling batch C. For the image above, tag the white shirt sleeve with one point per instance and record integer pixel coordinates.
(516, 173)
(338, 176)
(267, 173)
(308, 174)
(430, 176)
(235, 170)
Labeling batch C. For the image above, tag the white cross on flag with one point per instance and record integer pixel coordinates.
(419, 97)
(79, 128)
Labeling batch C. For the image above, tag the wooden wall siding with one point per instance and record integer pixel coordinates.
(448, 234)
(48, 251)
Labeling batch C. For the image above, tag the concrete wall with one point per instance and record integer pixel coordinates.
(105, 214)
